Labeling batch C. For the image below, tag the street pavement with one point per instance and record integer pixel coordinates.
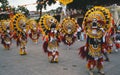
(36, 61)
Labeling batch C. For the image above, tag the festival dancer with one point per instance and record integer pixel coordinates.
(50, 30)
(22, 42)
(96, 23)
(20, 32)
(34, 32)
(69, 28)
(6, 34)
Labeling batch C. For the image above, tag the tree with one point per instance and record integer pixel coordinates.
(85, 4)
(23, 10)
(50, 2)
(43, 3)
(40, 5)
(4, 7)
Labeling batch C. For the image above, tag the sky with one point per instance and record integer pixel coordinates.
(15, 3)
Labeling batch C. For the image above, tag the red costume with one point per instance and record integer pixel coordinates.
(69, 27)
(95, 27)
(49, 27)
(6, 34)
(20, 32)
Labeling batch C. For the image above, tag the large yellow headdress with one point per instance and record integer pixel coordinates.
(5, 25)
(99, 15)
(32, 24)
(69, 26)
(46, 22)
(19, 22)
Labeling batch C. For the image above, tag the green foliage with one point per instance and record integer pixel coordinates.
(23, 10)
(4, 7)
(86, 4)
(43, 3)
(50, 2)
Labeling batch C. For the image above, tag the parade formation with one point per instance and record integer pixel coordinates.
(100, 31)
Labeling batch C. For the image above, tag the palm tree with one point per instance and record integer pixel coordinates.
(40, 5)
(43, 3)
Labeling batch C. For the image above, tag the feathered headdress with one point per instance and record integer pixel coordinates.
(69, 26)
(19, 23)
(99, 15)
(5, 25)
(32, 24)
(46, 22)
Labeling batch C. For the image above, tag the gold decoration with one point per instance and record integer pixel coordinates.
(68, 39)
(65, 2)
(32, 24)
(103, 17)
(18, 21)
(45, 23)
(52, 45)
(4, 25)
(69, 26)
(95, 52)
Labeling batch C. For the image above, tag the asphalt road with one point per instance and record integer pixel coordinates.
(36, 61)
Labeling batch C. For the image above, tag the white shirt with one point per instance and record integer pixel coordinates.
(79, 29)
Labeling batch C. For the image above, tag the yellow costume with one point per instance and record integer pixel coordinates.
(96, 23)
(6, 34)
(20, 31)
(49, 27)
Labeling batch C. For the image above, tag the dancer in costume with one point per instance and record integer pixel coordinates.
(96, 22)
(34, 32)
(20, 32)
(6, 34)
(22, 42)
(69, 28)
(49, 27)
